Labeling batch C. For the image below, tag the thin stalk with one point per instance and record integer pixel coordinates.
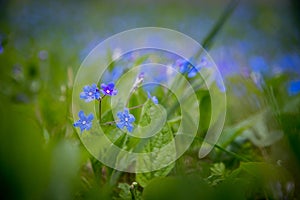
(100, 111)
(242, 158)
(207, 42)
(134, 107)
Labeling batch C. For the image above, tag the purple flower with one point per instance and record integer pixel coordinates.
(1, 49)
(153, 98)
(84, 122)
(126, 120)
(108, 89)
(90, 93)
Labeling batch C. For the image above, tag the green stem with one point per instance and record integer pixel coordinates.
(242, 158)
(134, 107)
(100, 110)
(207, 42)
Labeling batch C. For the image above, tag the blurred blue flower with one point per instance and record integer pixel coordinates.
(289, 62)
(84, 122)
(113, 75)
(192, 72)
(185, 67)
(153, 98)
(90, 93)
(108, 89)
(258, 64)
(126, 120)
(294, 87)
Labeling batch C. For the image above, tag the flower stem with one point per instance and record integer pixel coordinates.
(109, 123)
(134, 107)
(100, 111)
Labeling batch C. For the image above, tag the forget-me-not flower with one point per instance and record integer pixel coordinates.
(90, 93)
(185, 67)
(125, 120)
(84, 122)
(108, 89)
(294, 87)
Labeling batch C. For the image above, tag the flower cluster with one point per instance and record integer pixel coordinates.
(185, 67)
(92, 92)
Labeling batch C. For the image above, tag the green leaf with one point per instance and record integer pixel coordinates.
(261, 179)
(124, 191)
(159, 157)
(153, 117)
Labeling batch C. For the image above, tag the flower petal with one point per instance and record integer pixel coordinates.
(90, 117)
(103, 85)
(76, 124)
(83, 95)
(131, 118)
(155, 100)
(111, 86)
(81, 115)
(115, 92)
(126, 111)
(120, 125)
(129, 127)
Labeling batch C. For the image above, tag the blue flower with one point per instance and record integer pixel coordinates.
(185, 67)
(153, 98)
(108, 89)
(1, 49)
(258, 64)
(192, 72)
(113, 75)
(294, 87)
(90, 93)
(126, 120)
(84, 122)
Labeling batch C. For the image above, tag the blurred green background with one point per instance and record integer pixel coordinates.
(42, 44)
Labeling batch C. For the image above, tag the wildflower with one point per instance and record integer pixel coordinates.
(186, 67)
(183, 65)
(126, 120)
(192, 72)
(258, 64)
(153, 98)
(294, 87)
(90, 93)
(113, 75)
(84, 122)
(204, 62)
(108, 89)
